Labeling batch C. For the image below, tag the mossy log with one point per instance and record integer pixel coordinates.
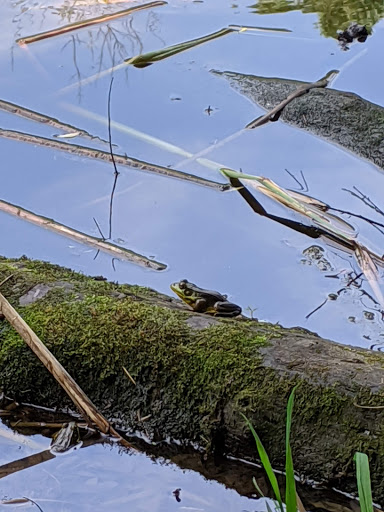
(196, 374)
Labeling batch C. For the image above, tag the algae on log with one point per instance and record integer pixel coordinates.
(195, 374)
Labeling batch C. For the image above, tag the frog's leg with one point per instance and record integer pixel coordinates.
(200, 306)
(227, 309)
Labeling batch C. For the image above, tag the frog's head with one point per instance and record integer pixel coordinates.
(188, 292)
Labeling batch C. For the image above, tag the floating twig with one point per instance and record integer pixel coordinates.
(87, 23)
(78, 236)
(274, 114)
(32, 115)
(98, 154)
(365, 199)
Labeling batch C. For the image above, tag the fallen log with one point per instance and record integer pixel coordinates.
(195, 374)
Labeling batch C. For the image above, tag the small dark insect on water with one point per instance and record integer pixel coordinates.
(176, 494)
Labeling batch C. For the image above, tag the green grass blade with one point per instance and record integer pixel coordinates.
(266, 464)
(290, 484)
(363, 482)
(257, 487)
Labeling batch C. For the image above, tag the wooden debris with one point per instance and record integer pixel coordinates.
(87, 23)
(274, 114)
(98, 154)
(79, 398)
(99, 244)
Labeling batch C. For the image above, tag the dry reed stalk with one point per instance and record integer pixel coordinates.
(78, 236)
(87, 23)
(79, 398)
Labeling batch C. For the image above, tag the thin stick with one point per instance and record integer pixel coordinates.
(99, 229)
(129, 376)
(78, 236)
(32, 115)
(42, 424)
(274, 114)
(84, 151)
(116, 172)
(79, 398)
(87, 23)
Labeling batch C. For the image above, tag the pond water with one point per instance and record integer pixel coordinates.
(103, 477)
(209, 237)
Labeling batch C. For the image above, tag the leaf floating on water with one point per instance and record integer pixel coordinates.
(146, 59)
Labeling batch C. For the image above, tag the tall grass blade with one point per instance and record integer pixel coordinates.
(266, 464)
(290, 485)
(363, 482)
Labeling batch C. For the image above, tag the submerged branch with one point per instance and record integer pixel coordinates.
(87, 23)
(78, 236)
(274, 114)
(84, 151)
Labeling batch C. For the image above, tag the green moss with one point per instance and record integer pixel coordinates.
(94, 338)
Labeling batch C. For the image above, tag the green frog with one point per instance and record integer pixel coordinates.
(205, 301)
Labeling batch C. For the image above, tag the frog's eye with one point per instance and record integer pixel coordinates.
(183, 284)
(187, 292)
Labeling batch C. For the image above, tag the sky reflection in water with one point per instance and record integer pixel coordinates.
(210, 238)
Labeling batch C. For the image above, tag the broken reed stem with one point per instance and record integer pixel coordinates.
(78, 236)
(78, 397)
(87, 23)
(274, 114)
(98, 154)
(31, 115)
